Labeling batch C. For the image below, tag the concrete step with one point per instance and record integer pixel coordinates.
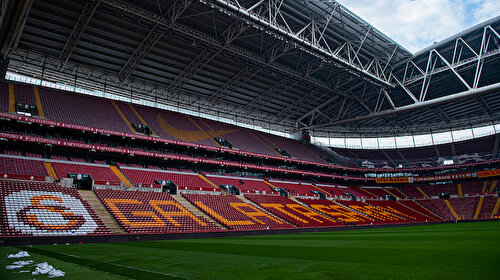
(197, 212)
(101, 211)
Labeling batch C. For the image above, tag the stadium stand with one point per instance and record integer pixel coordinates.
(45, 209)
(411, 191)
(82, 110)
(465, 152)
(465, 206)
(234, 213)
(379, 215)
(362, 192)
(24, 94)
(296, 188)
(473, 187)
(292, 211)
(375, 191)
(417, 207)
(333, 190)
(183, 180)
(246, 185)
(393, 207)
(151, 212)
(102, 113)
(487, 207)
(338, 211)
(4, 97)
(434, 190)
(19, 167)
(102, 174)
(439, 207)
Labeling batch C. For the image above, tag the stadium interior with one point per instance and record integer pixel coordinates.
(164, 117)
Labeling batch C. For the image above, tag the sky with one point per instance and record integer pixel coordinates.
(416, 24)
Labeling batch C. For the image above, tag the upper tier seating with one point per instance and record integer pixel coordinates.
(151, 212)
(296, 149)
(475, 149)
(496, 214)
(4, 97)
(24, 94)
(379, 215)
(243, 138)
(337, 211)
(292, 211)
(22, 166)
(233, 213)
(183, 180)
(296, 188)
(45, 209)
(439, 207)
(101, 174)
(81, 109)
(465, 206)
(174, 126)
(246, 185)
(399, 210)
(97, 112)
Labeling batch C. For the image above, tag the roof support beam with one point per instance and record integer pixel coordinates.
(225, 38)
(13, 17)
(315, 44)
(284, 84)
(432, 102)
(249, 71)
(82, 22)
(202, 38)
(464, 56)
(163, 23)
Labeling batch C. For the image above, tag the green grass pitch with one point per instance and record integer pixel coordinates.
(451, 251)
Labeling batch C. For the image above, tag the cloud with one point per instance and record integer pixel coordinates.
(417, 24)
(486, 10)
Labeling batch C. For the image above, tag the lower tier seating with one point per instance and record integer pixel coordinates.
(380, 216)
(465, 206)
(234, 213)
(439, 207)
(487, 207)
(399, 210)
(430, 216)
(338, 211)
(292, 211)
(151, 212)
(45, 209)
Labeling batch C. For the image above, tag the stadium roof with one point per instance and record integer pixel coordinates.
(286, 65)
